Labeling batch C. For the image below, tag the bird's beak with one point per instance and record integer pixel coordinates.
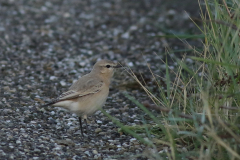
(118, 66)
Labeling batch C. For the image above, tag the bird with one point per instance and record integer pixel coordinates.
(89, 92)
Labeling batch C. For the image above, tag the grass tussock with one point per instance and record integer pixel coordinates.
(197, 111)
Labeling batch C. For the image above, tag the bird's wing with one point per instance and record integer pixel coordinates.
(89, 87)
(70, 93)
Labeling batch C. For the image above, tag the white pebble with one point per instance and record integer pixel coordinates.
(87, 153)
(95, 152)
(130, 64)
(52, 78)
(125, 35)
(82, 63)
(133, 28)
(98, 121)
(133, 139)
(63, 83)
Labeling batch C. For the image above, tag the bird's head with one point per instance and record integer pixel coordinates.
(105, 68)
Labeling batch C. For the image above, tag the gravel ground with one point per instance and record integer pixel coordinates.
(45, 45)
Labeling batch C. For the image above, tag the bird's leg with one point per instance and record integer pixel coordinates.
(85, 120)
(80, 122)
(86, 124)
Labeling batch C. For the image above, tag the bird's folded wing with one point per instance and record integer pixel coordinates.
(72, 94)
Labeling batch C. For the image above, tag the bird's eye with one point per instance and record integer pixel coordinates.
(108, 66)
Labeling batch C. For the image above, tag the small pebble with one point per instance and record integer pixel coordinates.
(98, 130)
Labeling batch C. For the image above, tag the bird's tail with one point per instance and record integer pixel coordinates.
(48, 104)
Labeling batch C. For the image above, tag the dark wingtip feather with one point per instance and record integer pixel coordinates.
(48, 104)
(51, 103)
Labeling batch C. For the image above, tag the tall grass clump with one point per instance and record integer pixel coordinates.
(196, 113)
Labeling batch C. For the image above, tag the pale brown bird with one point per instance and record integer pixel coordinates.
(89, 93)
